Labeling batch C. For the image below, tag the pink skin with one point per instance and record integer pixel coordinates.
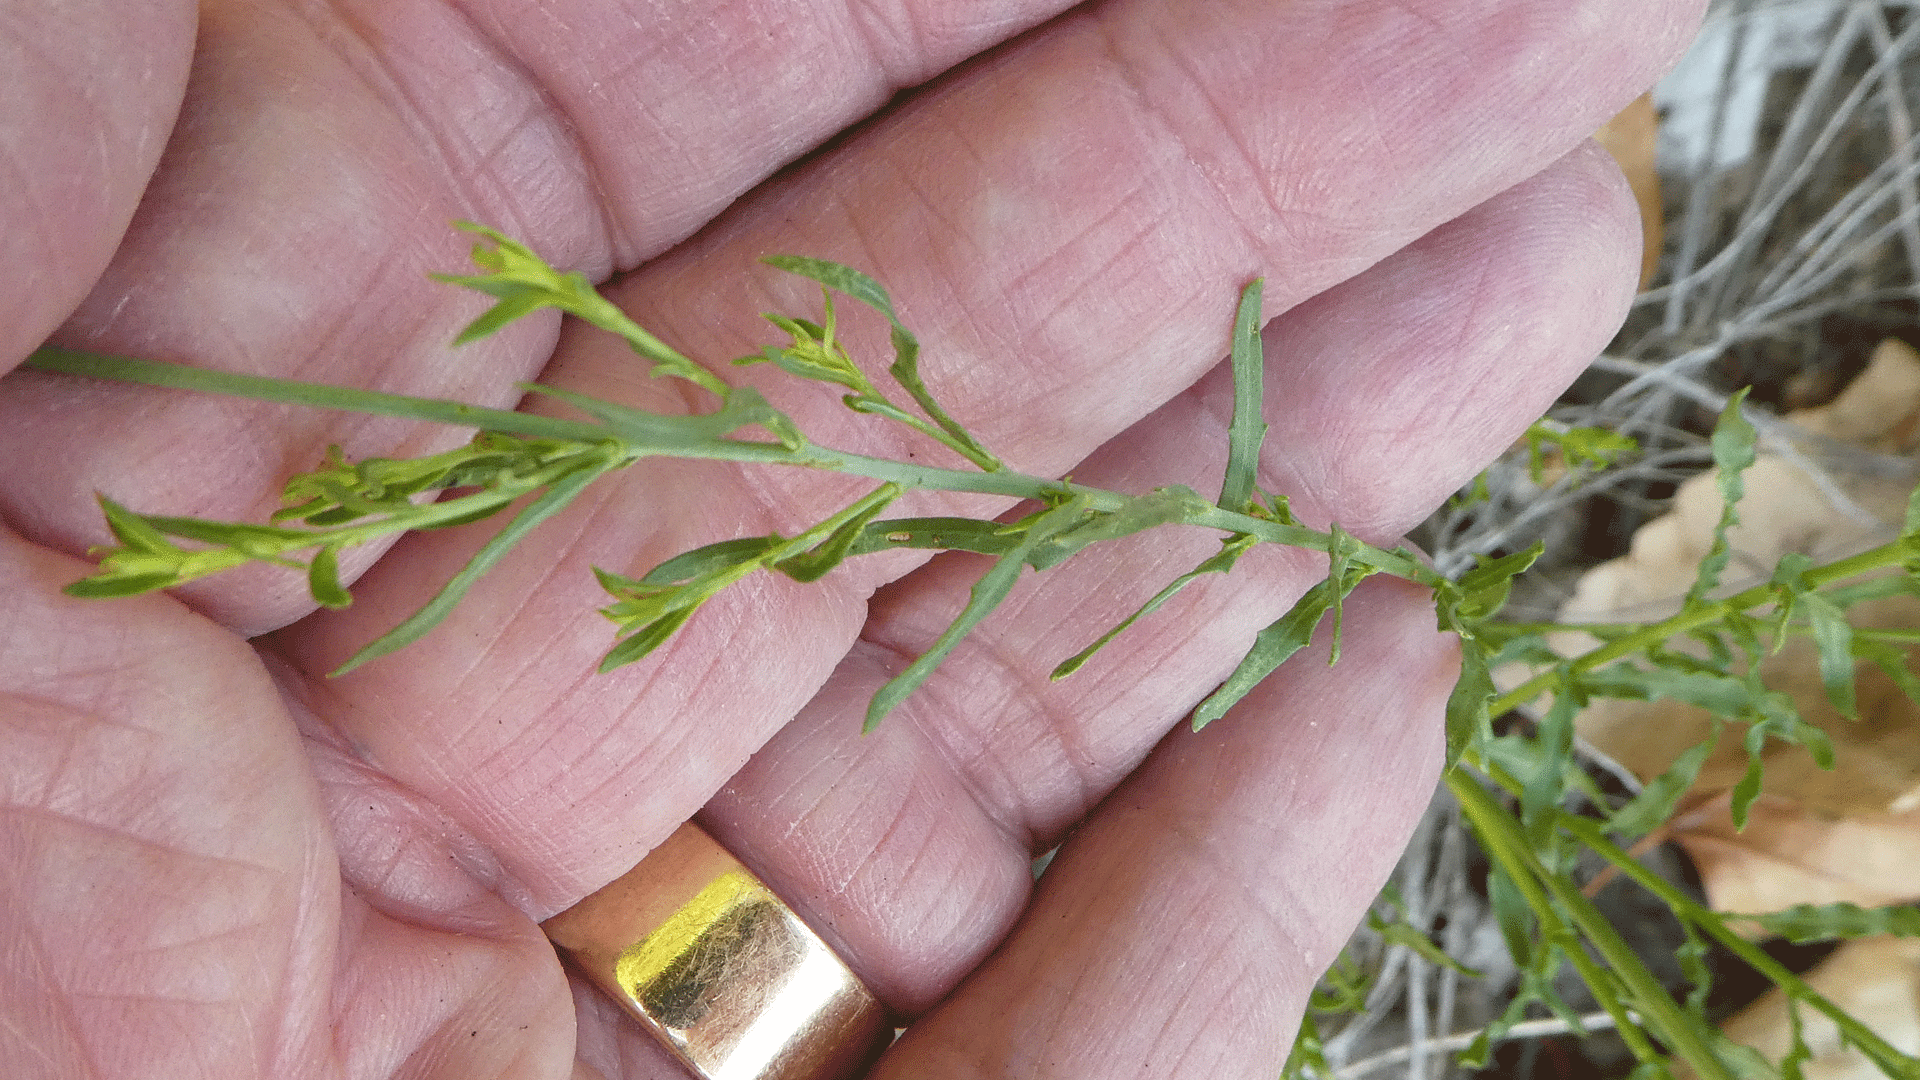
(219, 862)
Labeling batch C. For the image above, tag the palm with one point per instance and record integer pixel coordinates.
(220, 860)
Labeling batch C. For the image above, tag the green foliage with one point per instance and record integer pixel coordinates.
(1804, 924)
(1585, 449)
(524, 283)
(1529, 804)
(1248, 428)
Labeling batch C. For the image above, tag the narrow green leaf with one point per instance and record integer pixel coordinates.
(840, 278)
(1798, 1053)
(936, 534)
(1248, 429)
(1342, 546)
(133, 530)
(112, 586)
(508, 309)
(551, 502)
(1805, 924)
(1893, 662)
(1484, 589)
(1911, 528)
(316, 395)
(1743, 1061)
(814, 563)
(1695, 971)
(1733, 451)
(987, 594)
(639, 644)
(1651, 808)
(1231, 550)
(1161, 506)
(1547, 786)
(255, 540)
(655, 432)
(1272, 647)
(523, 282)
(1833, 636)
(1513, 915)
(1467, 716)
(323, 578)
(1747, 790)
(1399, 933)
(1878, 588)
(701, 560)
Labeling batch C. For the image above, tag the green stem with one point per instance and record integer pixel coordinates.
(317, 395)
(1893, 553)
(1889, 1059)
(1505, 842)
(1004, 482)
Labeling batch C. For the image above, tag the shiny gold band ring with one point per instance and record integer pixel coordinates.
(722, 972)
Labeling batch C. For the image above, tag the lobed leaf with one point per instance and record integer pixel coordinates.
(1582, 446)
(1805, 924)
(1273, 646)
(1733, 452)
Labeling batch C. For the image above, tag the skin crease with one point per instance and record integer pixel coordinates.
(218, 862)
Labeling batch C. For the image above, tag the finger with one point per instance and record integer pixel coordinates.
(912, 844)
(91, 89)
(307, 194)
(1179, 932)
(172, 901)
(569, 781)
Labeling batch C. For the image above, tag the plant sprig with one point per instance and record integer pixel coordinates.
(541, 463)
(514, 456)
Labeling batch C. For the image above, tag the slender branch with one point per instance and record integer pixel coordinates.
(1852, 1030)
(1443, 1044)
(907, 474)
(1501, 837)
(1893, 553)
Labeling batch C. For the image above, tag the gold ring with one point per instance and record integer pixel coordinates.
(721, 971)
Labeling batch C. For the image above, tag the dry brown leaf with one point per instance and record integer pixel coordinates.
(1631, 138)
(1789, 855)
(1818, 836)
(1877, 980)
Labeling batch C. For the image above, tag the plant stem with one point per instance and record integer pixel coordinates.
(1005, 482)
(1892, 553)
(1889, 1059)
(1505, 842)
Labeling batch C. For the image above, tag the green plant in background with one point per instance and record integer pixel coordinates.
(1514, 789)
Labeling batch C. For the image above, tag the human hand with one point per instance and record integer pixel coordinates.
(221, 863)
